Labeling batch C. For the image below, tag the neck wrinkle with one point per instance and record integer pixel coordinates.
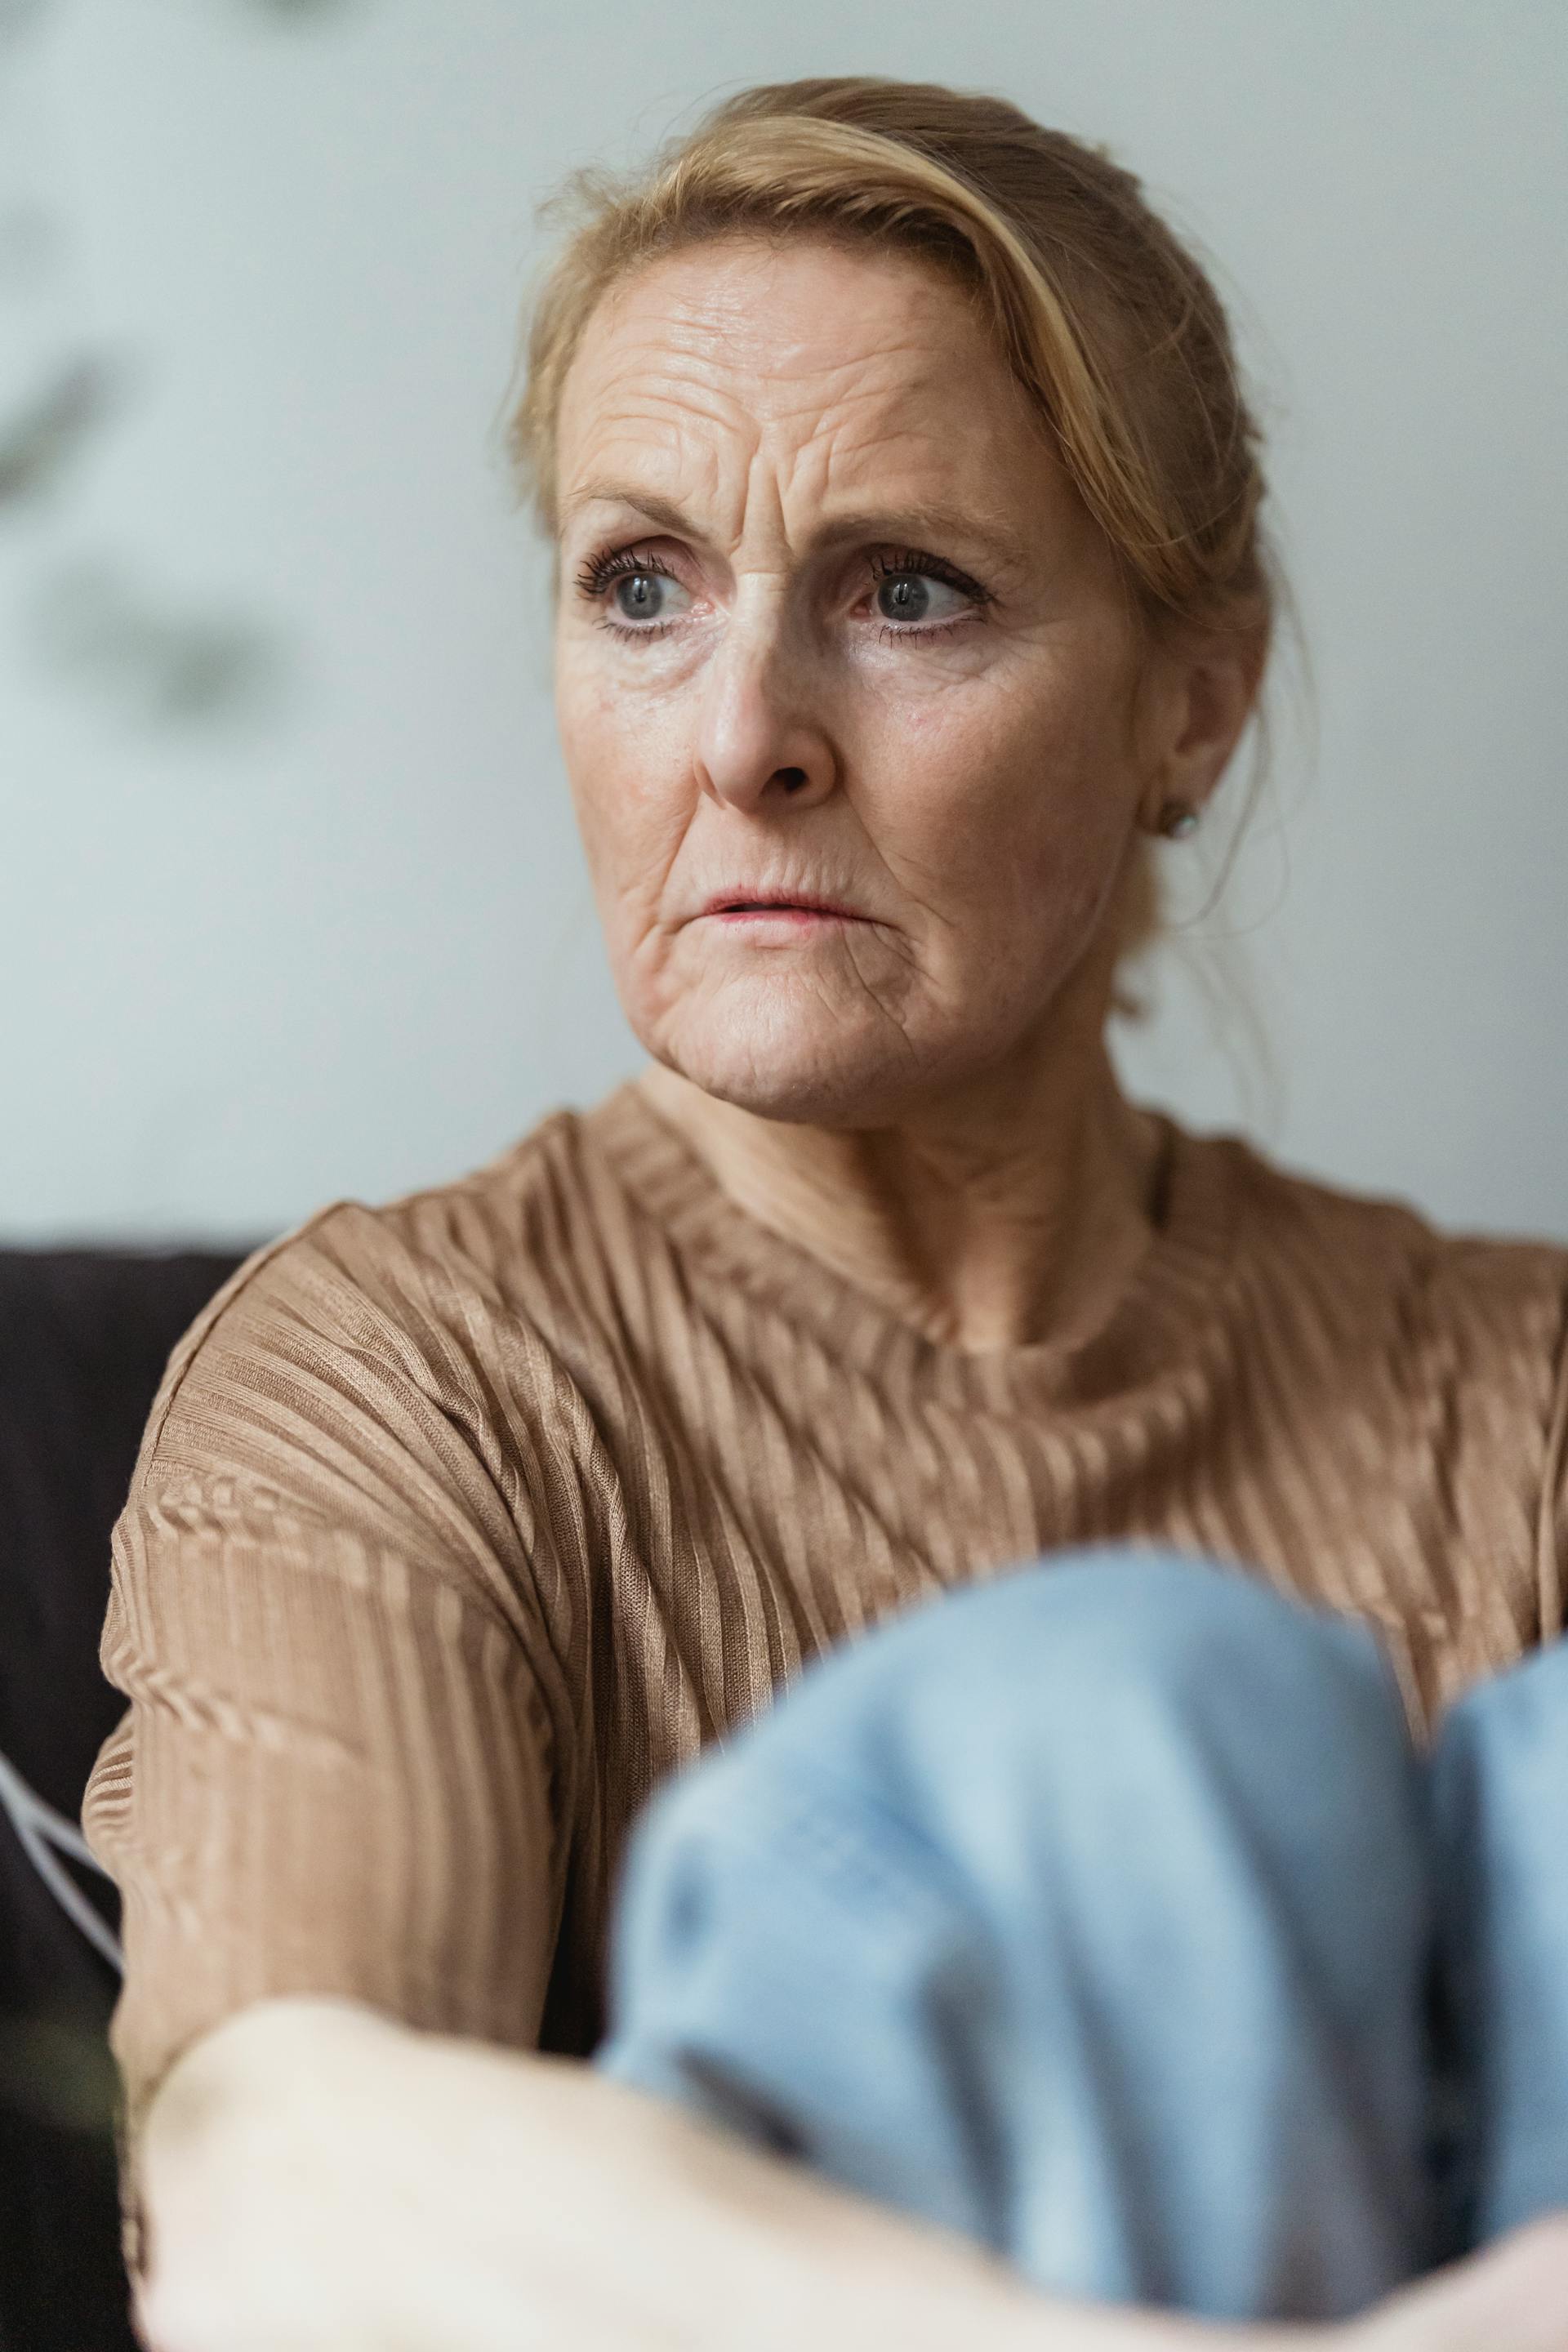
(1024, 1235)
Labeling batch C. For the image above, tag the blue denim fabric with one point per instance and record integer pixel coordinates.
(1105, 1912)
(1500, 1871)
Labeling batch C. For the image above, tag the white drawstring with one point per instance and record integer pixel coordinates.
(40, 1828)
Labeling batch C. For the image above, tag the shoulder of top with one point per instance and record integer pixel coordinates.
(490, 1205)
(1360, 1234)
(483, 1227)
(377, 1278)
(352, 1265)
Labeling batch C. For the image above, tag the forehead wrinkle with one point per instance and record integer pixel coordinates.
(880, 486)
(751, 312)
(721, 351)
(723, 333)
(684, 426)
(715, 444)
(652, 396)
(886, 380)
(891, 487)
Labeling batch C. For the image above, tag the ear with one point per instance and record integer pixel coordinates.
(1202, 688)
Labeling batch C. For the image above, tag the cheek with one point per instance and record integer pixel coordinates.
(1012, 801)
(591, 726)
(620, 774)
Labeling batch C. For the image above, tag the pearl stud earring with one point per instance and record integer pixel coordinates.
(1177, 820)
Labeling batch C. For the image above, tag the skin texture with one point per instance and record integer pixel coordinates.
(321, 2179)
(922, 1097)
(781, 701)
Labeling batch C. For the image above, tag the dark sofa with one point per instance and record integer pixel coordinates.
(84, 1337)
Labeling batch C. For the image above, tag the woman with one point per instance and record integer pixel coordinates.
(910, 590)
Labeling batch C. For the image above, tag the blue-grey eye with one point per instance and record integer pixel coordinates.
(648, 597)
(914, 597)
(638, 595)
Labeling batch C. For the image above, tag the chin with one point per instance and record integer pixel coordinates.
(802, 1069)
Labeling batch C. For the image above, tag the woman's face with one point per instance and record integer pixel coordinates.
(833, 623)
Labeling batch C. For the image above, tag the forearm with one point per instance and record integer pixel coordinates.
(604, 2175)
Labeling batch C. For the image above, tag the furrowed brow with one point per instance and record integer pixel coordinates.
(662, 511)
(919, 521)
(921, 518)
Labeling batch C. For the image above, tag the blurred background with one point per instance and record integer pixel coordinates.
(290, 902)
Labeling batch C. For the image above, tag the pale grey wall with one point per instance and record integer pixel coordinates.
(333, 937)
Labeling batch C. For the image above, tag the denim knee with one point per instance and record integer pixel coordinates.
(1073, 1910)
(1499, 1769)
(1514, 1722)
(1080, 1649)
(1499, 1765)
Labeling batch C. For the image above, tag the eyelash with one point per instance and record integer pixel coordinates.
(609, 564)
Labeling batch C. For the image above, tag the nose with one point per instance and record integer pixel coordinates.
(761, 737)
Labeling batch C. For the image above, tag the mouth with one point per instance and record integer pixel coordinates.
(803, 909)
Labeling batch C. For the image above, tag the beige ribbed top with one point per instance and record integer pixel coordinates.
(460, 1522)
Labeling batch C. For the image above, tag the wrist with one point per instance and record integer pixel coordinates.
(252, 2056)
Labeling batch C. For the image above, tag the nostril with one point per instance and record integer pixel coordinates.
(791, 777)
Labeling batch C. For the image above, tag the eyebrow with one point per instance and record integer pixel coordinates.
(920, 519)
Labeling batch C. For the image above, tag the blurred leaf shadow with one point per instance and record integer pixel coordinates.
(89, 622)
(39, 444)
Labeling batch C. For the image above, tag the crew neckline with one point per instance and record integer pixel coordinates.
(1173, 1293)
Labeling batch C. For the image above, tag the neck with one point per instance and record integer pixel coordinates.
(1005, 1211)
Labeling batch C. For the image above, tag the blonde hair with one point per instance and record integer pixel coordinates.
(1113, 330)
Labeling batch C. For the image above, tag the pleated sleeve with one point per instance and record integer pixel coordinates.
(339, 1770)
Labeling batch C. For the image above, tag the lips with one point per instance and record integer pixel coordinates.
(795, 902)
